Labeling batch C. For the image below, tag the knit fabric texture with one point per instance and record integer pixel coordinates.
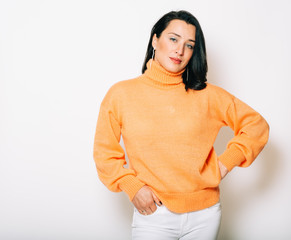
(168, 134)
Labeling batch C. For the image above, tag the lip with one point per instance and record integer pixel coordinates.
(176, 60)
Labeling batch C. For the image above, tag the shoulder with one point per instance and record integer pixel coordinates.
(216, 89)
(120, 89)
(218, 92)
(123, 86)
(217, 97)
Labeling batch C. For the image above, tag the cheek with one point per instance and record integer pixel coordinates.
(165, 47)
(188, 55)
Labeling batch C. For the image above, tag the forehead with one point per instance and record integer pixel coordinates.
(181, 28)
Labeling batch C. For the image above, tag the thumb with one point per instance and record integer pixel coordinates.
(157, 201)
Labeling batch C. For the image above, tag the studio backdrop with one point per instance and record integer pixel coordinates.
(57, 61)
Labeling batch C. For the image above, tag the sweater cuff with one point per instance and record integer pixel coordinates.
(231, 157)
(130, 185)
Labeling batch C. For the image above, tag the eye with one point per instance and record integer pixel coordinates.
(190, 46)
(173, 39)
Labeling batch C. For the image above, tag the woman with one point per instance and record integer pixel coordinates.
(169, 119)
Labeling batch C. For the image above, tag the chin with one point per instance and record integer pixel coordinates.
(171, 68)
(174, 69)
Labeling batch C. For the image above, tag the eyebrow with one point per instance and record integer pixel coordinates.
(180, 36)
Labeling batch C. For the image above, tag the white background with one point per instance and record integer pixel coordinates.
(57, 61)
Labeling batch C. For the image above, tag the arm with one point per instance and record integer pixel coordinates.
(108, 155)
(251, 133)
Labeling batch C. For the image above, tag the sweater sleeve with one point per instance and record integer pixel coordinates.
(251, 133)
(108, 154)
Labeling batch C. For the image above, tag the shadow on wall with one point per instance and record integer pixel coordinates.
(240, 188)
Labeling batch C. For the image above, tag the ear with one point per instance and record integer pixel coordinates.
(154, 41)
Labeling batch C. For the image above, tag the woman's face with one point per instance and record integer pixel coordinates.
(174, 47)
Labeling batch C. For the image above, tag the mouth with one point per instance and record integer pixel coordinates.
(176, 60)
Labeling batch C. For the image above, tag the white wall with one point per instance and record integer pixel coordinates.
(58, 59)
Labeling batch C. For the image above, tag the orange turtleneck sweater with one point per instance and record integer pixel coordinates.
(168, 134)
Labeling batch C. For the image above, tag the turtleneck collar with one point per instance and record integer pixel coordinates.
(156, 75)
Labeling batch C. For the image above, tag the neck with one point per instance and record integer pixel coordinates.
(158, 76)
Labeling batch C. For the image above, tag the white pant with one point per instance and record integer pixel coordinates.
(166, 225)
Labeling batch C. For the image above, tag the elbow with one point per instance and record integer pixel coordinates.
(265, 131)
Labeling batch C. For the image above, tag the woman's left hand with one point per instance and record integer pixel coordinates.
(223, 170)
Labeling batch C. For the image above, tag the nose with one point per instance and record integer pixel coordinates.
(180, 49)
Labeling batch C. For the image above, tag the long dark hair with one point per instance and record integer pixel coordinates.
(194, 76)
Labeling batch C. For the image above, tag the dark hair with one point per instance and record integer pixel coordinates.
(194, 76)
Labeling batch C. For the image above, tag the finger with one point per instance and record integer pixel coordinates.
(143, 212)
(147, 211)
(153, 207)
(223, 170)
(157, 201)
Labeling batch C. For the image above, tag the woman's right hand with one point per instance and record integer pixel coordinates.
(144, 201)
